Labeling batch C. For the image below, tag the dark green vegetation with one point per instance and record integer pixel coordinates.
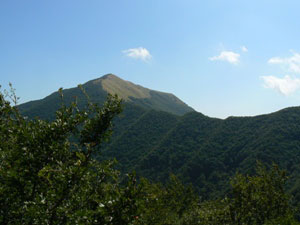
(49, 174)
(198, 149)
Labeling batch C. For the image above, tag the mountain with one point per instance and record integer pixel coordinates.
(157, 134)
(207, 151)
(98, 89)
(143, 96)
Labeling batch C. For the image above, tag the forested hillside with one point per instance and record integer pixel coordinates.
(50, 173)
(198, 149)
(207, 151)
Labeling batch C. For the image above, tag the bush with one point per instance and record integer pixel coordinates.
(47, 179)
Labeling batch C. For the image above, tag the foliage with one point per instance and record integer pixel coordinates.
(259, 198)
(165, 204)
(198, 149)
(46, 179)
(254, 200)
(50, 173)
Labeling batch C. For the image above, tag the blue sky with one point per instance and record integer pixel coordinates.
(223, 58)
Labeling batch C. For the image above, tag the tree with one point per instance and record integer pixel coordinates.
(165, 205)
(48, 171)
(255, 200)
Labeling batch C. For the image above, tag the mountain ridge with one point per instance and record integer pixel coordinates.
(97, 89)
(199, 149)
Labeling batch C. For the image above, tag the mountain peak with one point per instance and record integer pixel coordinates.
(124, 89)
(110, 76)
(98, 89)
(139, 95)
(106, 76)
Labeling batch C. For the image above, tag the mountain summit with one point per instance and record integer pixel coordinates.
(98, 89)
(139, 95)
(124, 89)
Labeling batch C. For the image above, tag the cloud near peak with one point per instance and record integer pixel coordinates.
(292, 64)
(228, 56)
(286, 85)
(138, 53)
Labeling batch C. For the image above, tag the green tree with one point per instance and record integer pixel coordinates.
(165, 205)
(255, 200)
(45, 178)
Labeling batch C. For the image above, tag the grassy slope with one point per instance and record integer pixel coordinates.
(97, 90)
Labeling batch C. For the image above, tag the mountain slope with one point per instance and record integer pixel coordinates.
(206, 151)
(145, 97)
(138, 139)
(200, 150)
(98, 89)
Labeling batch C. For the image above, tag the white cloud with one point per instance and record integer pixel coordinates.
(244, 49)
(231, 57)
(291, 63)
(285, 85)
(138, 53)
